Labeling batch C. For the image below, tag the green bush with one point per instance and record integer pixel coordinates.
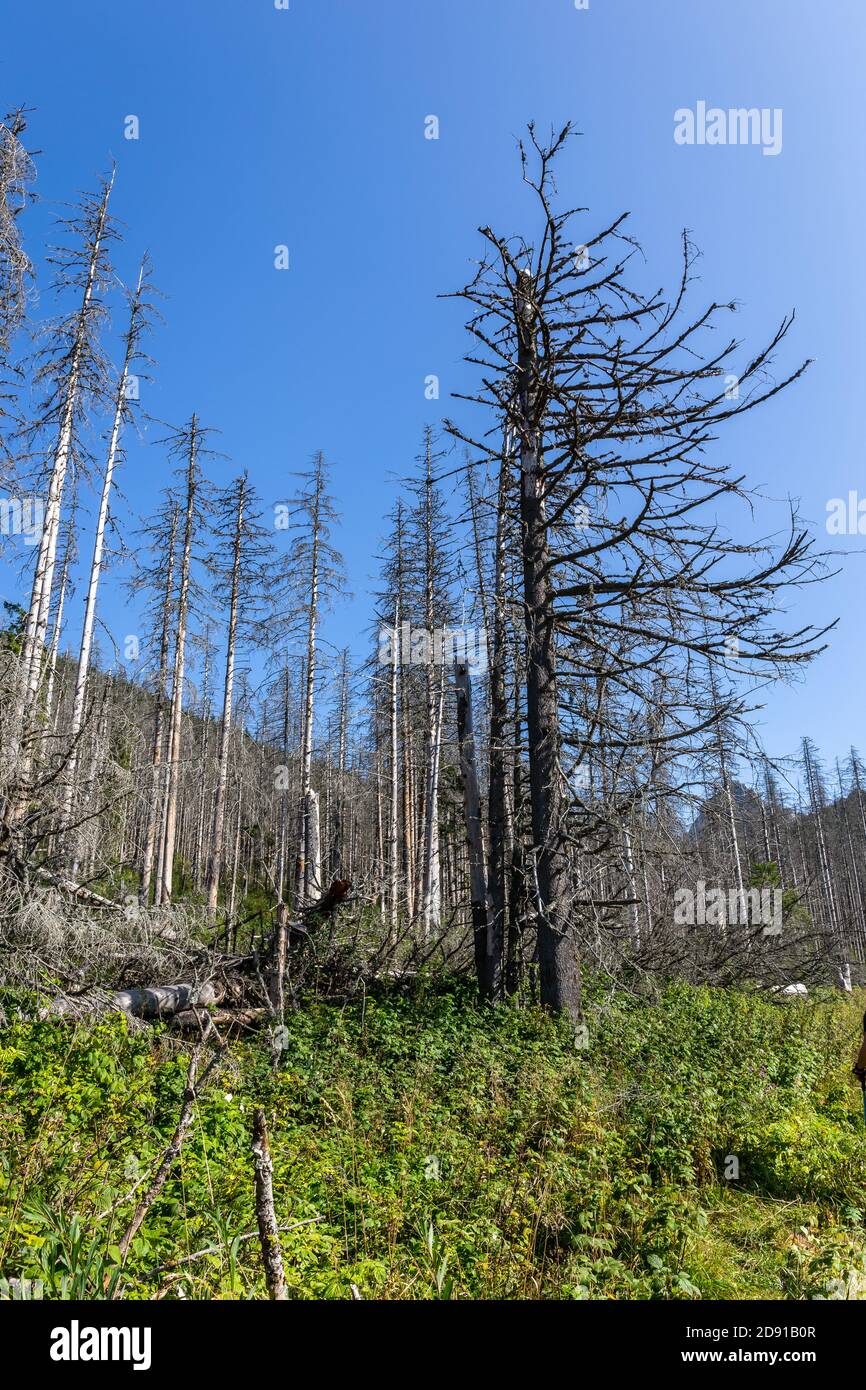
(427, 1147)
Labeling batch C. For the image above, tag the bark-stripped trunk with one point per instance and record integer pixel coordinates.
(216, 846)
(282, 847)
(43, 579)
(30, 658)
(393, 768)
(79, 700)
(50, 718)
(431, 873)
(817, 800)
(155, 797)
(176, 710)
(340, 799)
(308, 878)
(432, 883)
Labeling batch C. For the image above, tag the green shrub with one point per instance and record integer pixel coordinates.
(427, 1147)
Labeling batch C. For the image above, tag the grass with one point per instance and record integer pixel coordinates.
(710, 1145)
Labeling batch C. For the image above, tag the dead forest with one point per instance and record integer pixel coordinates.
(545, 762)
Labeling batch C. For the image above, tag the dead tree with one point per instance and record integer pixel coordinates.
(318, 574)
(613, 397)
(186, 443)
(71, 372)
(242, 583)
(165, 534)
(140, 316)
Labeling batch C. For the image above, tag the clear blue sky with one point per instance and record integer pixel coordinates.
(306, 127)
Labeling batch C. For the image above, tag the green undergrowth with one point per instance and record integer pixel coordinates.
(709, 1145)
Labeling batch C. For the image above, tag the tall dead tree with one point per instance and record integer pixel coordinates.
(164, 534)
(317, 576)
(430, 527)
(241, 582)
(74, 369)
(16, 271)
(140, 316)
(186, 443)
(613, 397)
(71, 374)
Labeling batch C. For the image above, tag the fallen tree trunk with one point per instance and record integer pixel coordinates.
(158, 1001)
(75, 890)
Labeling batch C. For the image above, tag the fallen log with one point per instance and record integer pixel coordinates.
(75, 890)
(156, 1002)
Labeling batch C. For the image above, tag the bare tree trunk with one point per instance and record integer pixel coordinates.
(155, 798)
(559, 973)
(488, 954)
(393, 768)
(176, 710)
(517, 890)
(817, 798)
(216, 845)
(80, 697)
(305, 880)
(282, 849)
(340, 806)
(265, 1216)
(43, 579)
(432, 885)
(431, 876)
(58, 628)
(498, 829)
(198, 865)
(313, 858)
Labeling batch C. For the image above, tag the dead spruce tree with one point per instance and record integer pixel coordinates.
(16, 271)
(157, 579)
(187, 443)
(431, 574)
(73, 369)
(132, 368)
(389, 655)
(317, 577)
(240, 582)
(613, 397)
(71, 376)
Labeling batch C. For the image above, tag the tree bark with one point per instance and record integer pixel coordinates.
(559, 973)
(488, 955)
(269, 1239)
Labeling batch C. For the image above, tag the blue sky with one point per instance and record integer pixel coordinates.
(305, 127)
